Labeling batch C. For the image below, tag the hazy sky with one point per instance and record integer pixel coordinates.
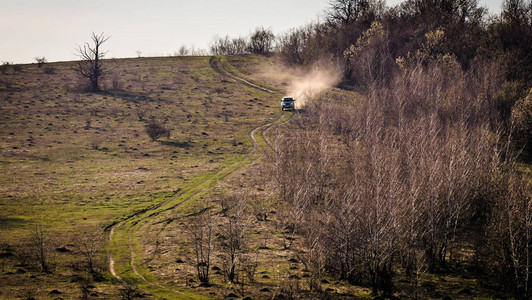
(53, 28)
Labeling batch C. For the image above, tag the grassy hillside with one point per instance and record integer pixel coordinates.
(73, 162)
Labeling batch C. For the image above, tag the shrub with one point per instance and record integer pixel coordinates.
(40, 61)
(183, 50)
(140, 113)
(5, 67)
(156, 130)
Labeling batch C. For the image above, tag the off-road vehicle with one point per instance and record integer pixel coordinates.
(288, 103)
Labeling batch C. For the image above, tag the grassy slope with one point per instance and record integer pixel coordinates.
(138, 233)
(74, 162)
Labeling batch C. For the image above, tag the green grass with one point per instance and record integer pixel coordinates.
(201, 186)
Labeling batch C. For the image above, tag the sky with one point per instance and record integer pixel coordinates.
(54, 28)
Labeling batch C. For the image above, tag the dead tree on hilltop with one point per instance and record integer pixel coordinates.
(90, 65)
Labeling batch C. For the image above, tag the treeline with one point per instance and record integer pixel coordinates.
(262, 41)
(418, 172)
(469, 33)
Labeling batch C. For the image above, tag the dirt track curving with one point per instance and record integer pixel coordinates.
(193, 191)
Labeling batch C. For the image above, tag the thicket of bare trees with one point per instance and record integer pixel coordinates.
(422, 163)
(398, 176)
(228, 46)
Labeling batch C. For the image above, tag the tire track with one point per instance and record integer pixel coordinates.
(195, 190)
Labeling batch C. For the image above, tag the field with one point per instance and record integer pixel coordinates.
(74, 162)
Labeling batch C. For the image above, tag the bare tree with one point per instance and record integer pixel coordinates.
(239, 45)
(341, 235)
(200, 233)
(41, 248)
(250, 266)
(313, 254)
(232, 239)
(90, 65)
(90, 245)
(183, 50)
(40, 61)
(261, 41)
(129, 291)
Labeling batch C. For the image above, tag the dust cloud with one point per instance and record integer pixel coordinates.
(302, 83)
(307, 85)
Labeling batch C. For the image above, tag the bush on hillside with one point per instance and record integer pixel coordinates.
(156, 130)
